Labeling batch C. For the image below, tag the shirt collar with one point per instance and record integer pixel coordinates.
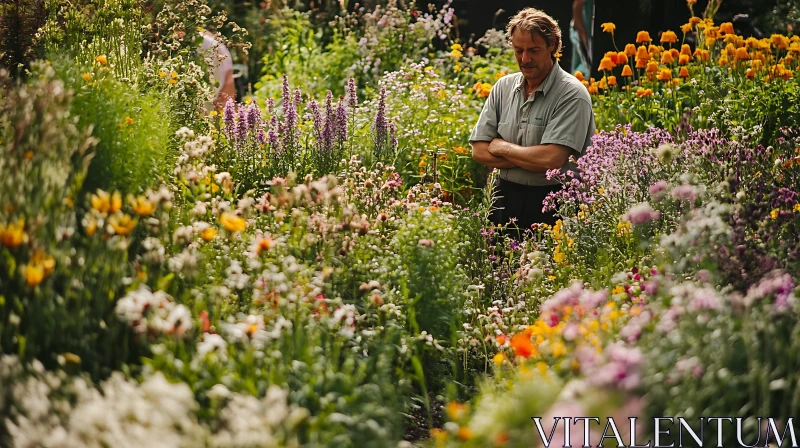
(544, 87)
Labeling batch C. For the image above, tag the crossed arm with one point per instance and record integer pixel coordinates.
(501, 154)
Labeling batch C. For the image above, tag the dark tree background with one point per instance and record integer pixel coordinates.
(630, 17)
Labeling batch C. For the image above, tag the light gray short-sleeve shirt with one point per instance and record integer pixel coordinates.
(558, 112)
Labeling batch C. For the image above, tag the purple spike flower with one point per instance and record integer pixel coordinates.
(298, 97)
(381, 124)
(285, 94)
(330, 117)
(340, 130)
(270, 106)
(229, 117)
(393, 137)
(254, 117)
(352, 98)
(241, 126)
(313, 106)
(274, 132)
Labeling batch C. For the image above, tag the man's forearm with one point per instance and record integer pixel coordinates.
(481, 154)
(538, 158)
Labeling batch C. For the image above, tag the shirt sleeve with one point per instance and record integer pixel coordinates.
(570, 124)
(485, 129)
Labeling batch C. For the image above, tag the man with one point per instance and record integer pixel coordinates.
(533, 121)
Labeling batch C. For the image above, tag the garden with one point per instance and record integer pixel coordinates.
(313, 264)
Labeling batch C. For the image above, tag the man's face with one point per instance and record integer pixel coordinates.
(532, 53)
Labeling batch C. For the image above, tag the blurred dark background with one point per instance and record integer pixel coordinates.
(630, 16)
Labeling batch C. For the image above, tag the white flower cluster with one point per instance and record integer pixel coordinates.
(47, 410)
(248, 421)
(124, 414)
(153, 313)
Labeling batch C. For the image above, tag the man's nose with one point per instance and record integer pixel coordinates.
(526, 57)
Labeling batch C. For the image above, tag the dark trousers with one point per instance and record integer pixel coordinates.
(522, 202)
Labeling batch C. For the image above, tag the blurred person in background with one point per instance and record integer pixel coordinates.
(581, 31)
(222, 69)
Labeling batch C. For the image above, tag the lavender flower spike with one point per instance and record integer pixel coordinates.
(340, 130)
(327, 131)
(229, 117)
(352, 98)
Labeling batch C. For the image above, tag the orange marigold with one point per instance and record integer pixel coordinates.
(666, 58)
(684, 72)
(626, 71)
(727, 28)
(669, 37)
(665, 74)
(684, 59)
(606, 64)
(643, 37)
(579, 75)
(741, 54)
(630, 50)
(522, 345)
(779, 41)
(622, 58)
(642, 53)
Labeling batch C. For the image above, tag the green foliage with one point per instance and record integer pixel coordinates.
(133, 130)
(55, 281)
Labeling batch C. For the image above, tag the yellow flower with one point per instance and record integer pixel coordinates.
(608, 27)
(141, 205)
(232, 223)
(34, 273)
(162, 74)
(686, 28)
(774, 213)
(128, 120)
(499, 358)
(13, 235)
(122, 225)
(116, 202)
(559, 349)
(87, 76)
(90, 225)
(173, 75)
(208, 234)
(558, 255)
(101, 60)
(101, 201)
(172, 81)
(796, 208)
(456, 47)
